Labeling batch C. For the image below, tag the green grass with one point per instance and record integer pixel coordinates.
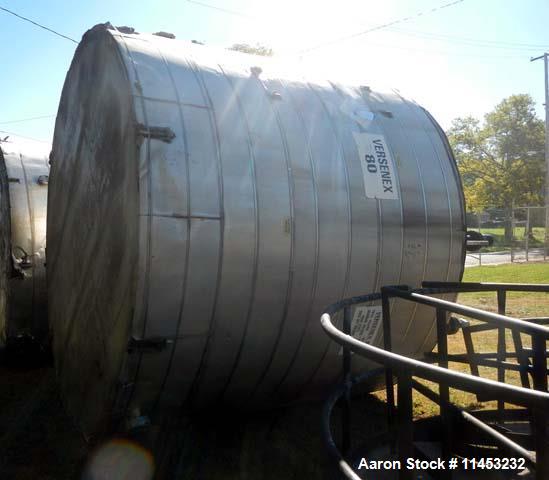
(518, 305)
(509, 273)
(521, 304)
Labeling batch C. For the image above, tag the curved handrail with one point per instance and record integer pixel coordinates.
(488, 317)
(339, 391)
(463, 381)
(418, 295)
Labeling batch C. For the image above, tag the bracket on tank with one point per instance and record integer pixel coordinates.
(22, 263)
(164, 134)
(147, 345)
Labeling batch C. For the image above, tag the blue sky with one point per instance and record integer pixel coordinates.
(457, 61)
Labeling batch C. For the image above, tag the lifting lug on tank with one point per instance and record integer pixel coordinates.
(148, 345)
(169, 35)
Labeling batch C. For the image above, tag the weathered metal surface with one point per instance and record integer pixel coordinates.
(24, 171)
(230, 236)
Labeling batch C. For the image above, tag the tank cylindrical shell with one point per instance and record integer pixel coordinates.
(209, 206)
(24, 171)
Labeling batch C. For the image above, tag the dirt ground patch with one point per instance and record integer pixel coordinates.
(37, 439)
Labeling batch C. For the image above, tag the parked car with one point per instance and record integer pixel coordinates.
(476, 240)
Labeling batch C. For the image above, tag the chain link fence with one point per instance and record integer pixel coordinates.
(514, 235)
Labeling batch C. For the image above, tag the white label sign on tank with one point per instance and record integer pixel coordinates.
(378, 168)
(366, 323)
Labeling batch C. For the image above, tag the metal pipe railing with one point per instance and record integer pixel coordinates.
(455, 287)
(462, 381)
(488, 317)
(330, 403)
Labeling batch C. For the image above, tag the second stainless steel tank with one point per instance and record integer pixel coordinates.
(24, 171)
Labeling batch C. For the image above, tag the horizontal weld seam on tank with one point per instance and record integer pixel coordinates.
(153, 344)
(171, 338)
(177, 215)
(170, 102)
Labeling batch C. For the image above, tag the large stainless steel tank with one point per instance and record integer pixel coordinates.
(24, 171)
(208, 205)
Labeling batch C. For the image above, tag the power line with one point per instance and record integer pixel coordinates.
(545, 57)
(37, 24)
(445, 52)
(471, 41)
(27, 119)
(448, 38)
(382, 26)
(23, 136)
(224, 10)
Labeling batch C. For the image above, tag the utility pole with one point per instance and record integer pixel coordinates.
(545, 61)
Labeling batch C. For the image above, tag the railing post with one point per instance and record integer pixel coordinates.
(539, 373)
(387, 345)
(346, 405)
(480, 249)
(522, 358)
(526, 233)
(502, 351)
(470, 350)
(545, 232)
(405, 433)
(444, 390)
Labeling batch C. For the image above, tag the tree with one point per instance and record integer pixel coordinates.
(501, 161)
(257, 50)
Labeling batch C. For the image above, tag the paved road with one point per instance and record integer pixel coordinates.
(498, 258)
